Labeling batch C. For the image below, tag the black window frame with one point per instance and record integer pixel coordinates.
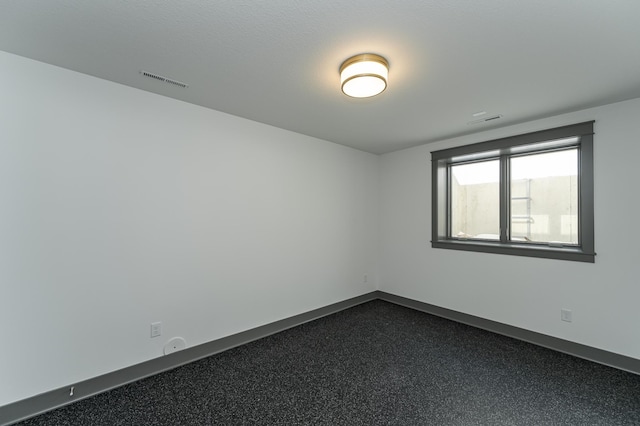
(503, 149)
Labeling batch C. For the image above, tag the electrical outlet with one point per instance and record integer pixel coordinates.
(566, 315)
(156, 329)
(365, 278)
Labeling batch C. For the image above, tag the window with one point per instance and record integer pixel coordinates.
(526, 195)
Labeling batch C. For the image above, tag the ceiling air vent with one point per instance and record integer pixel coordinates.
(486, 119)
(164, 79)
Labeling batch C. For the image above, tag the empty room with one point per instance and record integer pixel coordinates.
(341, 213)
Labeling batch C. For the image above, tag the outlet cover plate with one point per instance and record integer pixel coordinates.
(156, 329)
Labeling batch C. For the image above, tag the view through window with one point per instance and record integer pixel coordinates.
(475, 200)
(543, 197)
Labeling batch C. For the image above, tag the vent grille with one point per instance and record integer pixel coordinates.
(486, 119)
(164, 79)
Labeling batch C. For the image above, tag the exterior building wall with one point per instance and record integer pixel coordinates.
(546, 211)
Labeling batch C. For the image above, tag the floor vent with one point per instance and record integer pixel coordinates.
(164, 79)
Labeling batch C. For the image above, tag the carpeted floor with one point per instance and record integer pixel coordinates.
(375, 364)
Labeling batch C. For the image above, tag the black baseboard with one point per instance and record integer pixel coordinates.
(38, 404)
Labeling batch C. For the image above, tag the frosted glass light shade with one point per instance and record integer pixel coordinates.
(364, 75)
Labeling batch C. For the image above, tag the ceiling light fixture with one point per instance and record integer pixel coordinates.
(364, 75)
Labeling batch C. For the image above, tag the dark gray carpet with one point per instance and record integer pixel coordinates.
(375, 364)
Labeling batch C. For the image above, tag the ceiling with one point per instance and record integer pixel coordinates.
(277, 61)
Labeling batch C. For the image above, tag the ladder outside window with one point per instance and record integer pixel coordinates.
(524, 218)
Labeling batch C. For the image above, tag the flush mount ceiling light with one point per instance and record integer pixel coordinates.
(364, 75)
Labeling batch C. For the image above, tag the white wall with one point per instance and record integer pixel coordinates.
(519, 291)
(119, 208)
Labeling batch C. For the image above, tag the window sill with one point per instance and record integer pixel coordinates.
(561, 253)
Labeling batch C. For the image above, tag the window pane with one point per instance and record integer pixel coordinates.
(544, 197)
(475, 200)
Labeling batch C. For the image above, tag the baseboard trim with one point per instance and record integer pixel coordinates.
(32, 406)
(589, 353)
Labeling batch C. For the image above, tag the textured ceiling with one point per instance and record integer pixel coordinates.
(277, 61)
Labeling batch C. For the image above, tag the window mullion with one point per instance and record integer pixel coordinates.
(505, 198)
(448, 201)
